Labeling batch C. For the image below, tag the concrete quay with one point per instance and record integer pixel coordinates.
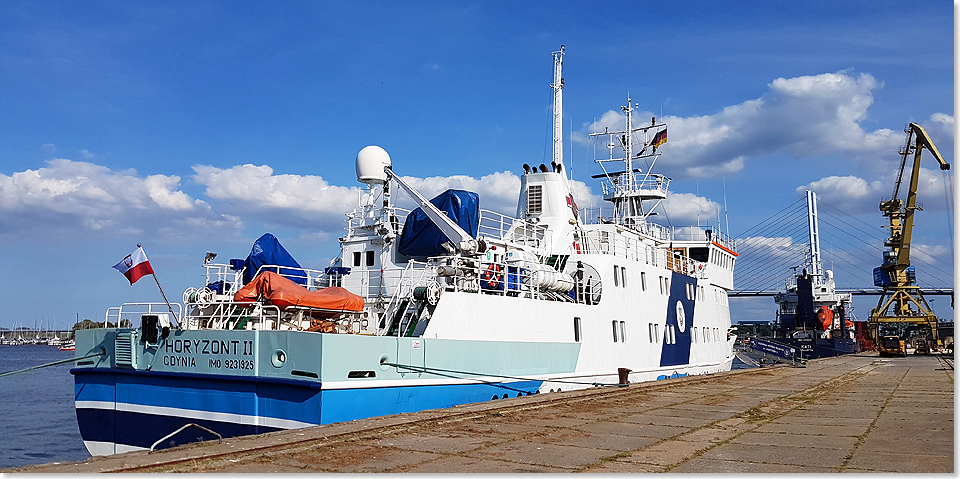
(856, 413)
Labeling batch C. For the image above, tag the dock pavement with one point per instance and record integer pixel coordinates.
(855, 413)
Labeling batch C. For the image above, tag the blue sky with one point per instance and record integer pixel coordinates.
(196, 126)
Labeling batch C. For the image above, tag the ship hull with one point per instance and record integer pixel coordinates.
(136, 395)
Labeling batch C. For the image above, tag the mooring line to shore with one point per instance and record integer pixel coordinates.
(100, 353)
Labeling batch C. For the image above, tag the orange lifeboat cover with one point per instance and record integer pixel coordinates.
(282, 292)
(826, 317)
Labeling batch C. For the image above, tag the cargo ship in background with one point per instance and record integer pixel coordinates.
(443, 305)
(813, 319)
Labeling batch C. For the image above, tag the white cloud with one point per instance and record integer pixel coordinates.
(75, 197)
(255, 192)
(933, 254)
(688, 208)
(803, 116)
(852, 194)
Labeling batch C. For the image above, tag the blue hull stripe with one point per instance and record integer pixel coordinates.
(141, 401)
(218, 394)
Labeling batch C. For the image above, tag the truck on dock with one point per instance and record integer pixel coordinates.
(891, 345)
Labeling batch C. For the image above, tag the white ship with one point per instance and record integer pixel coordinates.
(448, 304)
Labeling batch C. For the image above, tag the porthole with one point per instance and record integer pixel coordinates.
(278, 358)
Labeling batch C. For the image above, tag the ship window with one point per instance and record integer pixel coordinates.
(369, 258)
(623, 276)
(356, 258)
(623, 331)
(650, 330)
(614, 331)
(693, 332)
(643, 281)
(616, 275)
(699, 254)
(576, 329)
(534, 199)
(656, 333)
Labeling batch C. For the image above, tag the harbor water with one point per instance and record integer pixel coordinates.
(37, 418)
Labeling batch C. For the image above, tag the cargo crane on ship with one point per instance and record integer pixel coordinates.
(902, 303)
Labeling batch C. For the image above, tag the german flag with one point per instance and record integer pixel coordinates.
(660, 138)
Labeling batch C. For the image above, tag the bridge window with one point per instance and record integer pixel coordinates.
(700, 254)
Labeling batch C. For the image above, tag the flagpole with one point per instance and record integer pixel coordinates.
(169, 307)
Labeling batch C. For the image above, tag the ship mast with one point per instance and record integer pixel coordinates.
(558, 109)
(625, 189)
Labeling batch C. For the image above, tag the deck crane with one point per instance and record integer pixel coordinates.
(902, 302)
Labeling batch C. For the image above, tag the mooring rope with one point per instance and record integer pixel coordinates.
(101, 353)
(439, 371)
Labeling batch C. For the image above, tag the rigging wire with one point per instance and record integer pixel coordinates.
(875, 241)
(758, 225)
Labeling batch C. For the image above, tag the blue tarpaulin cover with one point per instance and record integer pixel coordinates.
(420, 237)
(268, 250)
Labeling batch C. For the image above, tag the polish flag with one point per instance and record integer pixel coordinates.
(134, 266)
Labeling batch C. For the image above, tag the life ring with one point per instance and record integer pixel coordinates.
(492, 276)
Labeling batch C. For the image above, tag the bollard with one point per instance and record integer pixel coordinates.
(624, 374)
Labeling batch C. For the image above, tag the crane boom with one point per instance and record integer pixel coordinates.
(460, 238)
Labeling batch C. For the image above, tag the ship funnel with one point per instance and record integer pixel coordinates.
(370, 163)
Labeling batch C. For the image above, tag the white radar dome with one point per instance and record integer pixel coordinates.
(370, 163)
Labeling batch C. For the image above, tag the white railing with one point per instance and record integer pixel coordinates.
(616, 244)
(508, 228)
(133, 311)
(413, 275)
(236, 315)
(619, 185)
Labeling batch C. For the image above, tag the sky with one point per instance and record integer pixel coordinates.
(190, 127)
